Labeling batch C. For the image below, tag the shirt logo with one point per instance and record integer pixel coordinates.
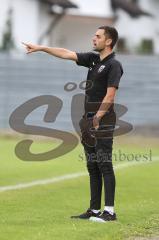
(91, 67)
(101, 68)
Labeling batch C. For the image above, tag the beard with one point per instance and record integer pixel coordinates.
(96, 49)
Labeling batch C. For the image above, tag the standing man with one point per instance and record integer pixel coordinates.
(102, 82)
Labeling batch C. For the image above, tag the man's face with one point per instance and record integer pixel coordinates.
(100, 41)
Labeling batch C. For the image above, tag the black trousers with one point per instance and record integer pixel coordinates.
(99, 164)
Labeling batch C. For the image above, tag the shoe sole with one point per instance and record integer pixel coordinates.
(96, 219)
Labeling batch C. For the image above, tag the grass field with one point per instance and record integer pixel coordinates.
(43, 211)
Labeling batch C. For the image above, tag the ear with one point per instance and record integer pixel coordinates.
(108, 42)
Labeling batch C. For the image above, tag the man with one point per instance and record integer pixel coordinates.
(102, 82)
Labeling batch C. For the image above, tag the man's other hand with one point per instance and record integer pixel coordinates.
(95, 122)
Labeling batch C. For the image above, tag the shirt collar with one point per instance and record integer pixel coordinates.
(111, 55)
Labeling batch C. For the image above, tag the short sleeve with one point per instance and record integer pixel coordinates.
(85, 59)
(115, 74)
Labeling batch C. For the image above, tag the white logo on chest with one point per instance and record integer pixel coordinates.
(91, 67)
(101, 68)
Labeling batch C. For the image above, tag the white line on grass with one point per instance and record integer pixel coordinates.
(68, 176)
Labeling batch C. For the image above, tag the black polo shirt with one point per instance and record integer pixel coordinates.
(101, 75)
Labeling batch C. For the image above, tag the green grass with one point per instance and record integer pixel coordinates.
(43, 212)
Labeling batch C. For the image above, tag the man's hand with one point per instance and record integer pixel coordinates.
(95, 122)
(32, 48)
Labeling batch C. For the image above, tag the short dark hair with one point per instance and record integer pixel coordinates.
(112, 33)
